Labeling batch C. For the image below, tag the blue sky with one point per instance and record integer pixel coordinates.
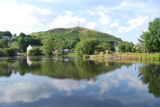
(125, 19)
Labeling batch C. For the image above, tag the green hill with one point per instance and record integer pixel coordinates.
(77, 33)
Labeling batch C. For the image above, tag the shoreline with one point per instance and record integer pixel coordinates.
(125, 57)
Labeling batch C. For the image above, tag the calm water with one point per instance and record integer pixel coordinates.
(69, 82)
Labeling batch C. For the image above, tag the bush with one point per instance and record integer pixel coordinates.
(87, 47)
(2, 52)
(35, 51)
(59, 53)
(10, 51)
(126, 47)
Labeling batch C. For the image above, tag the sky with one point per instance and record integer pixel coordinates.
(126, 19)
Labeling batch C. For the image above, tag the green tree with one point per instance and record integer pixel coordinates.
(35, 51)
(150, 39)
(48, 45)
(87, 47)
(126, 47)
(22, 34)
(105, 46)
(23, 42)
(3, 43)
(5, 33)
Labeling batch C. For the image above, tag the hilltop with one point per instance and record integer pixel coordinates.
(77, 33)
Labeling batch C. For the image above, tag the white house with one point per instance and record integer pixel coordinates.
(32, 46)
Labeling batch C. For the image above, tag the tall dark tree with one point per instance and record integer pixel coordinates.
(150, 39)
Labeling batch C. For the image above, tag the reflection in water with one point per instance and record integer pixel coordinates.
(49, 81)
(150, 74)
(74, 69)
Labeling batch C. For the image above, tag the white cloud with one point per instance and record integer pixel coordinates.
(18, 18)
(91, 25)
(104, 19)
(114, 24)
(109, 32)
(133, 81)
(68, 21)
(133, 24)
(104, 87)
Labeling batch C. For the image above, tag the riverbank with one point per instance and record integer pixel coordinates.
(125, 56)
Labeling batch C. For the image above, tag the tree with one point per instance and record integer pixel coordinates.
(87, 47)
(126, 47)
(3, 43)
(106, 46)
(48, 45)
(150, 39)
(23, 42)
(35, 51)
(5, 33)
(22, 34)
(59, 43)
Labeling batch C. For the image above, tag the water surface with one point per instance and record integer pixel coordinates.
(71, 82)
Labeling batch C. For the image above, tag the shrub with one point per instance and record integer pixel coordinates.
(59, 53)
(10, 51)
(87, 47)
(35, 51)
(2, 52)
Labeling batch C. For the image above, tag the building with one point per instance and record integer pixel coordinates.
(6, 37)
(31, 47)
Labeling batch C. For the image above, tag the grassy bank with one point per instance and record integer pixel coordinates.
(128, 56)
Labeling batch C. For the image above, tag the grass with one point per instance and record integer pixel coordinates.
(22, 54)
(136, 56)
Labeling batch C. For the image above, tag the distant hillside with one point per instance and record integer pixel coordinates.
(77, 33)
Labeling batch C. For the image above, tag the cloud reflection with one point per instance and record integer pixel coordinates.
(33, 91)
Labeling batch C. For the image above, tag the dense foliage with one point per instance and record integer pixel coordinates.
(48, 45)
(150, 39)
(5, 33)
(8, 52)
(57, 43)
(76, 34)
(126, 47)
(91, 46)
(3, 43)
(35, 51)
(150, 74)
(25, 40)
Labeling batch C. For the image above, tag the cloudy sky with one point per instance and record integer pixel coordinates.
(123, 18)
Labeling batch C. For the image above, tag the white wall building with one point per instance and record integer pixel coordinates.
(31, 46)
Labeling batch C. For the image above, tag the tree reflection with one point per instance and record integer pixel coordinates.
(62, 69)
(150, 74)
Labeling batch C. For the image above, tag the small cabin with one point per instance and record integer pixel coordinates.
(31, 47)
